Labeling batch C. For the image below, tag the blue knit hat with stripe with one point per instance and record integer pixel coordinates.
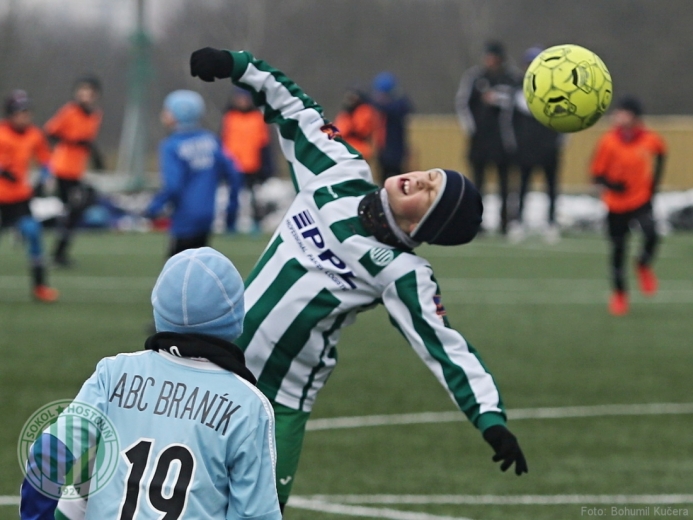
(199, 291)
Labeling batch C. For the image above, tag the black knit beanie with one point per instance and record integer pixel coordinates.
(455, 216)
(17, 101)
(630, 104)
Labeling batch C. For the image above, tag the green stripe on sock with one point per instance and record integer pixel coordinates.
(293, 340)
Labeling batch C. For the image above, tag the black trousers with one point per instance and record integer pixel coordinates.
(479, 171)
(252, 182)
(551, 178)
(618, 225)
(178, 245)
(77, 197)
(11, 213)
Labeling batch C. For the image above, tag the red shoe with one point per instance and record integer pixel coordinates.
(46, 294)
(618, 304)
(647, 279)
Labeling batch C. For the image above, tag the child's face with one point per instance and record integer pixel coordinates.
(86, 96)
(167, 120)
(243, 101)
(20, 120)
(411, 195)
(624, 118)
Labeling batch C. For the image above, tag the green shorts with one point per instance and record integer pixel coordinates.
(290, 427)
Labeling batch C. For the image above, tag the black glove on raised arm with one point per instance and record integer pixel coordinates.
(507, 449)
(209, 63)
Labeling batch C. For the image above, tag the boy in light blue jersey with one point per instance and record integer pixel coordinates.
(192, 166)
(196, 438)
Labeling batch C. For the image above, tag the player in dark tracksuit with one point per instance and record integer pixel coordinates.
(74, 129)
(484, 105)
(537, 147)
(192, 165)
(391, 139)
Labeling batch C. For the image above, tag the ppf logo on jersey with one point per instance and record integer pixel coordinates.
(326, 260)
(68, 450)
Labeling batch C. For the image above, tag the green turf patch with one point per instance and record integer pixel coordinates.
(536, 314)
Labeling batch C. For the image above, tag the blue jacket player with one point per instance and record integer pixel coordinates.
(196, 438)
(192, 165)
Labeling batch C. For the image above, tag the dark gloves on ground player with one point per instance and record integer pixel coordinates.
(507, 448)
(209, 63)
(7, 175)
(617, 187)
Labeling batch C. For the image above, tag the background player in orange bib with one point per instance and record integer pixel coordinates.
(20, 144)
(74, 129)
(628, 164)
(245, 138)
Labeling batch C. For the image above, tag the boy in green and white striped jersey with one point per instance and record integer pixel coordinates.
(344, 246)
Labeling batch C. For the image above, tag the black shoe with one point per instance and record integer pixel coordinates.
(63, 261)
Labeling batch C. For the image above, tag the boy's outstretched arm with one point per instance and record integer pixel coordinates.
(311, 144)
(415, 307)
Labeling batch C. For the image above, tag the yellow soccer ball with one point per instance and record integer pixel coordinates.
(567, 88)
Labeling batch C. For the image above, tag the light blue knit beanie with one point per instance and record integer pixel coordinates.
(187, 108)
(199, 291)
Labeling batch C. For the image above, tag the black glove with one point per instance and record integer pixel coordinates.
(7, 175)
(507, 449)
(617, 187)
(209, 63)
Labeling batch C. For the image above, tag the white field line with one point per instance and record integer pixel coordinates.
(506, 500)
(606, 410)
(337, 503)
(370, 512)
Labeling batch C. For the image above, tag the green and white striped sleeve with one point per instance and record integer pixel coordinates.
(311, 147)
(413, 302)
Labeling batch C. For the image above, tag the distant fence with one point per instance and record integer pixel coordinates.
(436, 140)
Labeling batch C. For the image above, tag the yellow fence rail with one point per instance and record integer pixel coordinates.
(437, 141)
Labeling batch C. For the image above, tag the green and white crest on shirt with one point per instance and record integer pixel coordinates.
(378, 258)
(76, 458)
(381, 256)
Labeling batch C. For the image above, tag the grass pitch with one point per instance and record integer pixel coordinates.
(536, 313)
